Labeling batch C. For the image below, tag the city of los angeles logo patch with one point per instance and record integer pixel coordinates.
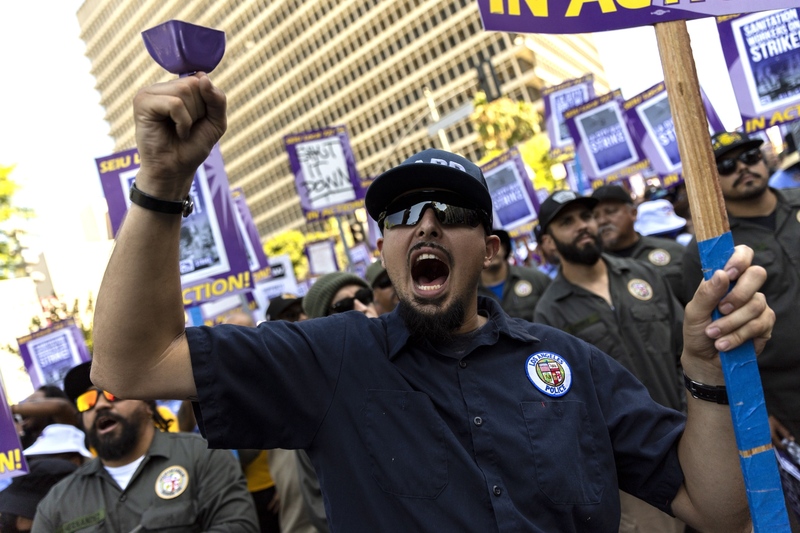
(549, 373)
(172, 482)
(523, 288)
(659, 257)
(640, 289)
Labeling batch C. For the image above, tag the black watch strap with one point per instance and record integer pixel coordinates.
(171, 207)
(710, 393)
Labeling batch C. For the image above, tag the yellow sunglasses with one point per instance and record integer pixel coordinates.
(88, 399)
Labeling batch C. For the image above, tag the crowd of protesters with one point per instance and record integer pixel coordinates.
(613, 271)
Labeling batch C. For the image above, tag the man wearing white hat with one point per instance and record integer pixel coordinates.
(60, 441)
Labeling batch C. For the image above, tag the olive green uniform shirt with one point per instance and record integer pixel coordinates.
(180, 486)
(664, 254)
(521, 291)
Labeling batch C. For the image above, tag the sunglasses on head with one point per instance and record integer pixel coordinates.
(446, 214)
(348, 304)
(88, 399)
(727, 166)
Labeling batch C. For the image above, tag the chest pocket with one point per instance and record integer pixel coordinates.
(171, 516)
(405, 439)
(564, 454)
(594, 331)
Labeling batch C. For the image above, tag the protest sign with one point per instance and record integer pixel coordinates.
(49, 353)
(256, 258)
(325, 173)
(281, 281)
(12, 460)
(558, 99)
(584, 16)
(218, 311)
(213, 260)
(514, 202)
(762, 51)
(322, 257)
(603, 142)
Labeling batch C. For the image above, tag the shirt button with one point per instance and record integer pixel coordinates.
(497, 490)
(478, 421)
(462, 364)
(123, 497)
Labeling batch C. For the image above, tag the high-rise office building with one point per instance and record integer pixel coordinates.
(300, 65)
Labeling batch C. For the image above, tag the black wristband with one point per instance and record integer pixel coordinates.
(170, 207)
(710, 393)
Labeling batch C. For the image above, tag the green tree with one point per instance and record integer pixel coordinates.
(12, 264)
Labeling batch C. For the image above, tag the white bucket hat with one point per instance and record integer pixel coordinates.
(656, 217)
(59, 438)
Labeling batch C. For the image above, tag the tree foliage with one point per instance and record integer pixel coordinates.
(12, 264)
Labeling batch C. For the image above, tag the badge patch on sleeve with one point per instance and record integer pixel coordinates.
(640, 289)
(172, 482)
(523, 288)
(659, 257)
(549, 373)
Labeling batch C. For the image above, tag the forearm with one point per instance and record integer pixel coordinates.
(62, 410)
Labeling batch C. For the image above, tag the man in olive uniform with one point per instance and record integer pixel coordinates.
(621, 306)
(143, 479)
(516, 288)
(615, 215)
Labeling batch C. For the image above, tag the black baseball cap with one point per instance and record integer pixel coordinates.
(279, 304)
(431, 169)
(724, 142)
(612, 193)
(77, 380)
(556, 203)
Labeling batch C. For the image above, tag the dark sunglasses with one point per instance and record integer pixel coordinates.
(348, 304)
(727, 166)
(88, 399)
(446, 214)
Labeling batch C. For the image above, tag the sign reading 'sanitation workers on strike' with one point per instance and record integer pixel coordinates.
(584, 16)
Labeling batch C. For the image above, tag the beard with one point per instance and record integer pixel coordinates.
(439, 326)
(587, 255)
(113, 447)
(755, 191)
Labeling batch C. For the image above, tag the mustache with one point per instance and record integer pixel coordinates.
(433, 245)
(606, 227)
(583, 234)
(106, 413)
(744, 175)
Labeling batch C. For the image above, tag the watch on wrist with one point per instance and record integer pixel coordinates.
(171, 207)
(710, 393)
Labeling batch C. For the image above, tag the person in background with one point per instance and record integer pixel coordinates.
(60, 441)
(47, 405)
(19, 500)
(339, 292)
(385, 296)
(517, 289)
(788, 174)
(547, 251)
(286, 307)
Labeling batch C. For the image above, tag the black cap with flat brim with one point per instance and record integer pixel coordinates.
(557, 202)
(77, 380)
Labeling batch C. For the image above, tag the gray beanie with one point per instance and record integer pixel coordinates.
(317, 300)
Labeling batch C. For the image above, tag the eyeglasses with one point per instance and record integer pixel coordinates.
(88, 399)
(727, 166)
(446, 214)
(348, 304)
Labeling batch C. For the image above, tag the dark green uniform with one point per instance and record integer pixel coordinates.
(522, 289)
(664, 254)
(180, 485)
(778, 251)
(642, 330)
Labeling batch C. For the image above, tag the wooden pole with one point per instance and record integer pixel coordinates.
(746, 397)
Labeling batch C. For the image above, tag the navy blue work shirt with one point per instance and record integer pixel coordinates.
(516, 427)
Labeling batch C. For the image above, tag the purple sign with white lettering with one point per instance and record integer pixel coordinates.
(49, 353)
(12, 460)
(325, 173)
(762, 51)
(558, 99)
(213, 259)
(586, 16)
(257, 259)
(514, 202)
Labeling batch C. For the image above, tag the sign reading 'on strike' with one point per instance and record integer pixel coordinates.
(583, 16)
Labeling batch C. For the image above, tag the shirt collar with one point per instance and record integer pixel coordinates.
(159, 447)
(562, 287)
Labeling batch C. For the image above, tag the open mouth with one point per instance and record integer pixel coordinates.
(429, 272)
(105, 424)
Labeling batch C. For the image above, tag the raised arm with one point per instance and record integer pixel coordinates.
(713, 496)
(139, 346)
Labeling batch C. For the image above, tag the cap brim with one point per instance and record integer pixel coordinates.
(404, 179)
(77, 381)
(588, 201)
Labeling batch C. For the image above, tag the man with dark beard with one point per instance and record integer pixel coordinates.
(490, 424)
(621, 306)
(143, 478)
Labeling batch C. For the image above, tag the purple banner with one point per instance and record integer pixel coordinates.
(762, 51)
(514, 202)
(213, 259)
(12, 460)
(603, 142)
(558, 99)
(325, 173)
(49, 353)
(586, 16)
(650, 121)
(256, 258)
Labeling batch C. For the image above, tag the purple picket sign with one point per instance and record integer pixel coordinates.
(213, 259)
(763, 60)
(514, 202)
(322, 257)
(586, 16)
(604, 145)
(325, 173)
(257, 259)
(557, 99)
(12, 460)
(49, 353)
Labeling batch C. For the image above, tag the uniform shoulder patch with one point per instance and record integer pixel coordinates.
(171, 482)
(523, 288)
(640, 289)
(659, 257)
(549, 373)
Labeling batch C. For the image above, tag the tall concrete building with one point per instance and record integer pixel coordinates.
(301, 65)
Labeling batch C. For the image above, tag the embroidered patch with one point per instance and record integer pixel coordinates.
(640, 289)
(549, 373)
(659, 257)
(798, 216)
(172, 482)
(523, 288)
